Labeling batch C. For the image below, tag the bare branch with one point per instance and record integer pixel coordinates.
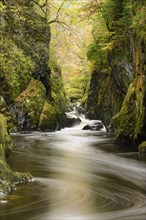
(61, 23)
(59, 9)
(41, 6)
(57, 14)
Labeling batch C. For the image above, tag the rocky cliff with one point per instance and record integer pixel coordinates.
(29, 85)
(32, 95)
(117, 87)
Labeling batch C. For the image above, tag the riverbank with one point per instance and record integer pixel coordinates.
(8, 179)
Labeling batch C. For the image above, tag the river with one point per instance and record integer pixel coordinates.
(79, 175)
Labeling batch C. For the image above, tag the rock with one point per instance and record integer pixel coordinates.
(142, 147)
(48, 119)
(8, 178)
(86, 127)
(96, 126)
(70, 108)
(29, 105)
(72, 121)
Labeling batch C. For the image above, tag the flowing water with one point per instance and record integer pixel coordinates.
(79, 175)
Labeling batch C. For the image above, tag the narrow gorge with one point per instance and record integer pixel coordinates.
(72, 109)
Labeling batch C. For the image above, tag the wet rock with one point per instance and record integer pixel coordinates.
(70, 108)
(8, 178)
(48, 119)
(96, 126)
(86, 127)
(2, 195)
(142, 147)
(72, 120)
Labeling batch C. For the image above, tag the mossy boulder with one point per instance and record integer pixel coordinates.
(142, 147)
(8, 178)
(30, 103)
(48, 118)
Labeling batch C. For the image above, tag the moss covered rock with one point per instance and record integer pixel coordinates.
(48, 118)
(8, 178)
(105, 97)
(12, 124)
(15, 68)
(5, 140)
(128, 121)
(58, 96)
(53, 113)
(30, 103)
(26, 64)
(142, 147)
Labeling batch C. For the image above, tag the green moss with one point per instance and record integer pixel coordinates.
(5, 140)
(74, 93)
(58, 90)
(48, 119)
(32, 101)
(128, 122)
(103, 90)
(19, 178)
(5, 111)
(142, 147)
(8, 178)
(5, 171)
(77, 86)
(104, 97)
(58, 97)
(84, 100)
(15, 68)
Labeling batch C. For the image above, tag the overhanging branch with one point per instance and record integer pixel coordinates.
(41, 6)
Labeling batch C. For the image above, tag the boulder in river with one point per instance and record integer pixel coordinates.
(72, 120)
(86, 127)
(142, 147)
(96, 126)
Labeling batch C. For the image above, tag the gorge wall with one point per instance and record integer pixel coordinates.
(118, 64)
(29, 83)
(32, 95)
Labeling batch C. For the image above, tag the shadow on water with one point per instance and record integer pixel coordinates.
(78, 175)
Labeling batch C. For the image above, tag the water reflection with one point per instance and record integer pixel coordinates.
(75, 179)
